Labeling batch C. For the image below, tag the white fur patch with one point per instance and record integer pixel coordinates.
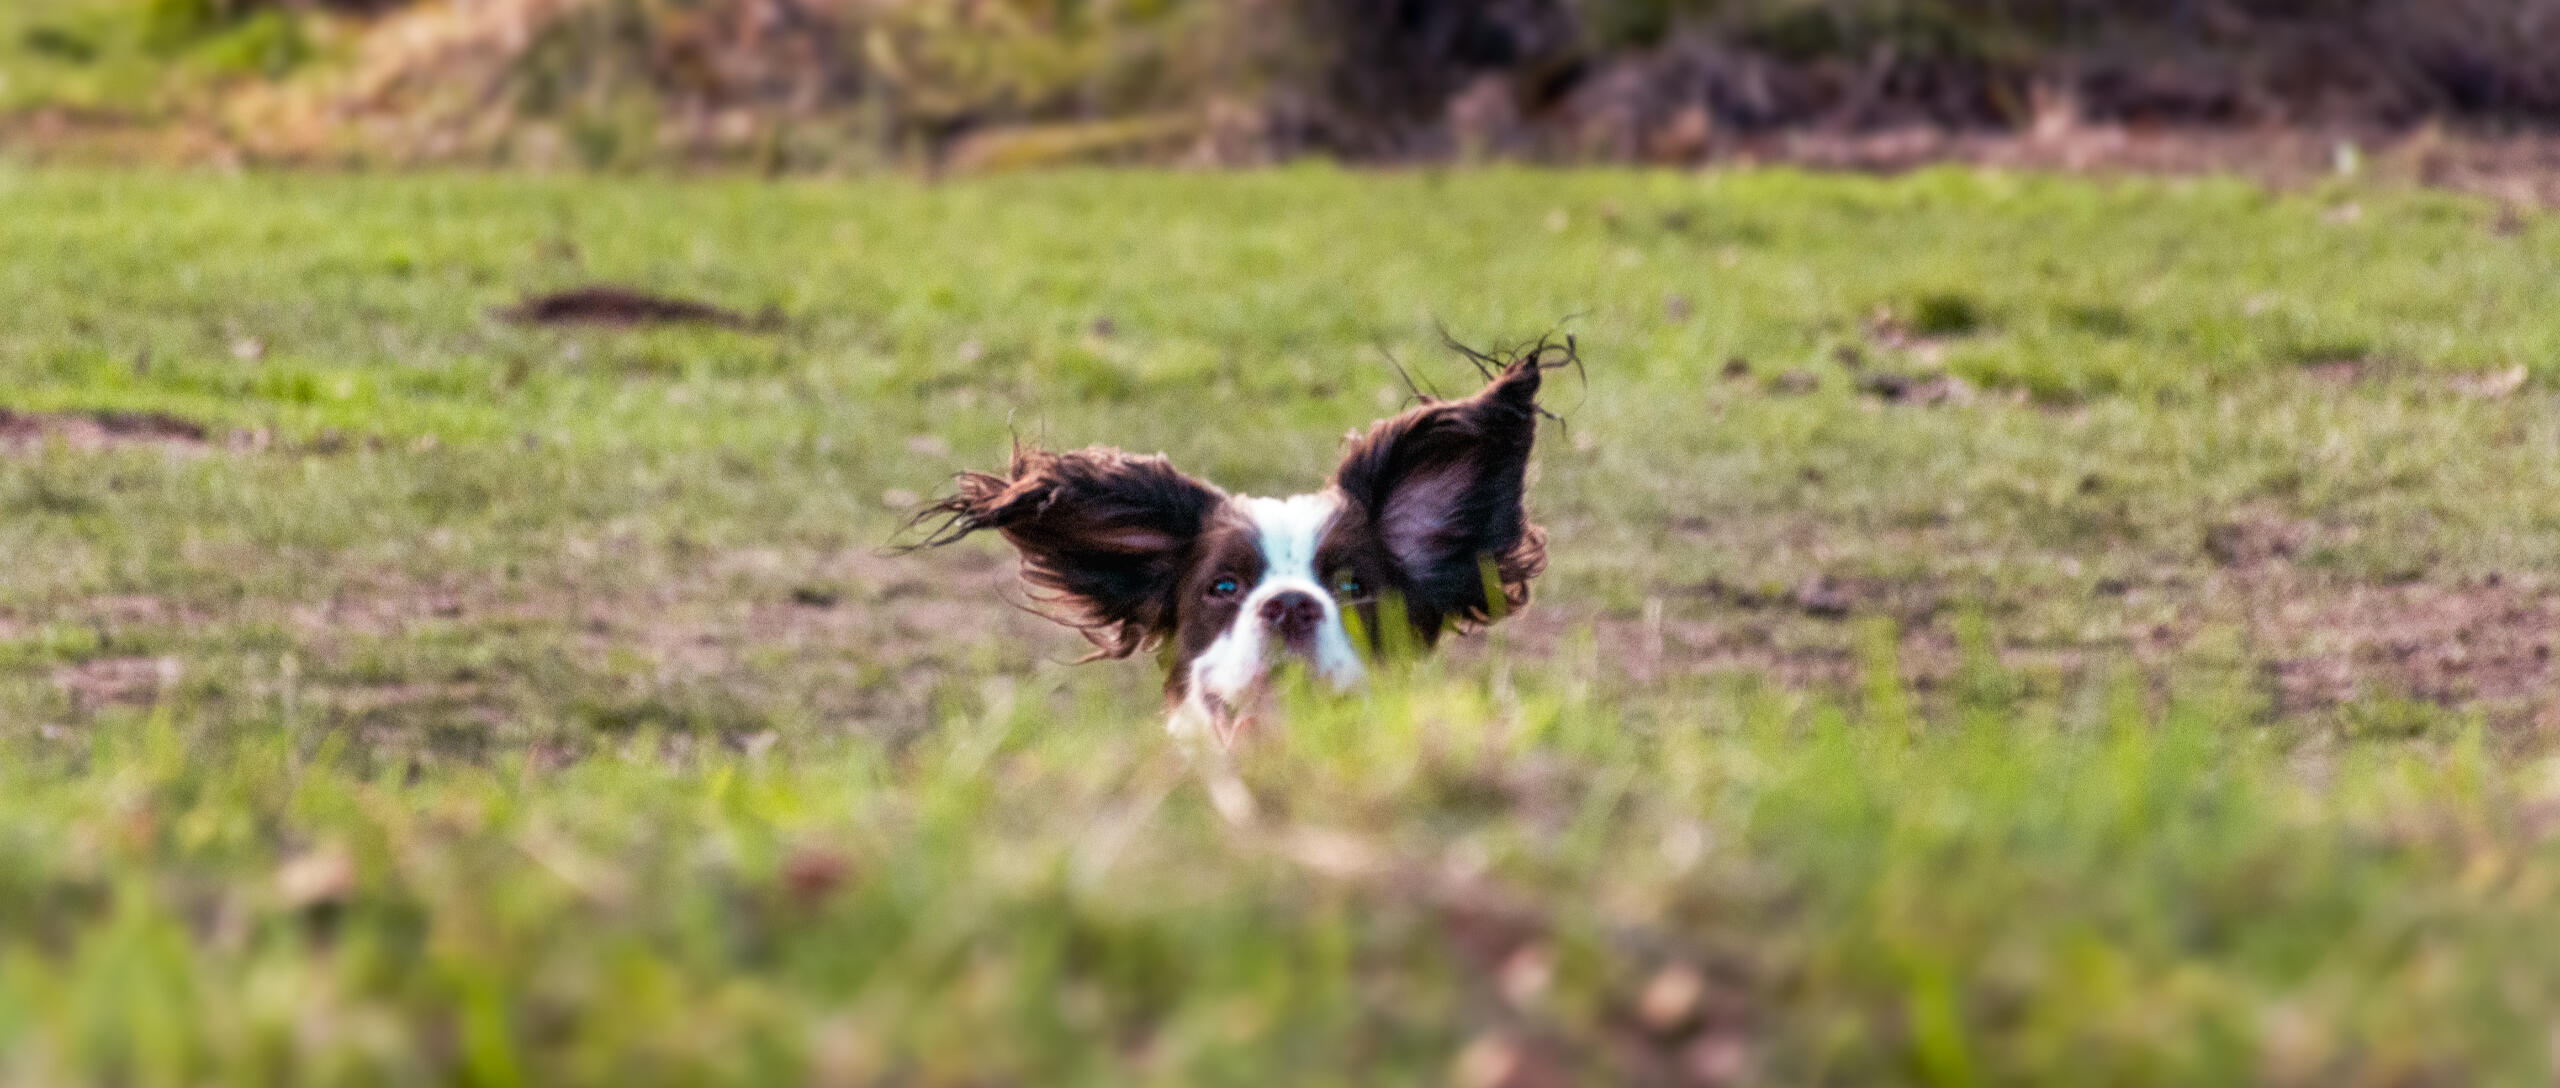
(1233, 667)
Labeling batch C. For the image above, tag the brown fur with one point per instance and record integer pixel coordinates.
(1106, 537)
(1469, 459)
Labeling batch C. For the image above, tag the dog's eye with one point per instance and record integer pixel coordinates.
(1345, 585)
(1224, 588)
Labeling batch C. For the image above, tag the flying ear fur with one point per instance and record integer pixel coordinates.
(1443, 486)
(1104, 536)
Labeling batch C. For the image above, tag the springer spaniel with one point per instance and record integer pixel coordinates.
(1422, 530)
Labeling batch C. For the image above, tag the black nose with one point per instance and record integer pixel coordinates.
(1293, 616)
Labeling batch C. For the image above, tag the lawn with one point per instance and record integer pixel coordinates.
(2001, 628)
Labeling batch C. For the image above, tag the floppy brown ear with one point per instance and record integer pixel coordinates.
(1104, 536)
(1443, 488)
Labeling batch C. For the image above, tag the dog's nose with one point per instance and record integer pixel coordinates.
(1293, 616)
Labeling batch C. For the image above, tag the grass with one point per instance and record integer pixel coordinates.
(85, 53)
(2164, 699)
(137, 61)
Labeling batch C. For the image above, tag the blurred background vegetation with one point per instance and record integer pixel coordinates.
(800, 83)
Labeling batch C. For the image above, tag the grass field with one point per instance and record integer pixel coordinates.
(2001, 629)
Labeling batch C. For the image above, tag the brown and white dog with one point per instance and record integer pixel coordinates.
(1423, 524)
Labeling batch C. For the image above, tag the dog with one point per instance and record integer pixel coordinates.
(1422, 530)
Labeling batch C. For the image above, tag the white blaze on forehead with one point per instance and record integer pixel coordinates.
(1287, 532)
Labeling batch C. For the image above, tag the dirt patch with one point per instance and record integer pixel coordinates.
(1793, 383)
(623, 307)
(131, 608)
(390, 704)
(111, 614)
(837, 638)
(2316, 645)
(2320, 640)
(1798, 637)
(2490, 385)
(389, 614)
(1830, 597)
(21, 432)
(2342, 372)
(2485, 642)
(2253, 539)
(117, 681)
(1894, 387)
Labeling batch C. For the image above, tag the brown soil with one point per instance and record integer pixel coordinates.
(1794, 638)
(2253, 538)
(623, 307)
(2316, 640)
(2485, 643)
(126, 681)
(21, 432)
(863, 638)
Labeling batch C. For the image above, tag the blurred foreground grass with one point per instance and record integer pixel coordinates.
(1524, 882)
(2001, 628)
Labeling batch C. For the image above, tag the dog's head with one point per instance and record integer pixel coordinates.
(1421, 530)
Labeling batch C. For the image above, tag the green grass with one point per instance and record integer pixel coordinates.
(136, 60)
(2167, 703)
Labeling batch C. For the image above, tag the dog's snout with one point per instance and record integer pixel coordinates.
(1293, 616)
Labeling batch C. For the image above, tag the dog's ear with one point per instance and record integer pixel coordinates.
(1442, 488)
(1105, 537)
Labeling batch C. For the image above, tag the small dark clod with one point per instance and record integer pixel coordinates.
(623, 307)
(1793, 383)
(1823, 598)
(1921, 389)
